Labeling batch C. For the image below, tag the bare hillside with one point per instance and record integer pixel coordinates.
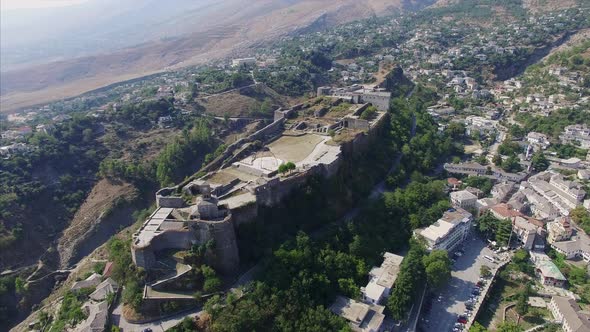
(226, 29)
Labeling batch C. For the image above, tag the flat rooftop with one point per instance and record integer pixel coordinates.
(387, 273)
(349, 309)
(456, 216)
(155, 225)
(437, 231)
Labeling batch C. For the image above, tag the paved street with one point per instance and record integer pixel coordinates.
(156, 326)
(450, 301)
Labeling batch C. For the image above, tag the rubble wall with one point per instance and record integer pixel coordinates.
(245, 214)
(165, 200)
(225, 253)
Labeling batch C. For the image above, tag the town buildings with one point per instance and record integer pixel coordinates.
(358, 94)
(576, 134)
(546, 270)
(559, 230)
(538, 139)
(243, 62)
(569, 314)
(382, 279)
(473, 168)
(448, 232)
(530, 233)
(362, 317)
(577, 247)
(463, 199)
(563, 194)
(502, 191)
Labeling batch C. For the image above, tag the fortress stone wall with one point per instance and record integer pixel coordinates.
(178, 225)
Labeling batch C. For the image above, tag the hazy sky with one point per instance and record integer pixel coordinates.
(20, 4)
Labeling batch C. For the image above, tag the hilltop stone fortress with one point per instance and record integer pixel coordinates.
(316, 136)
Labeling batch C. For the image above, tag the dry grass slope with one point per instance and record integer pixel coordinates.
(230, 30)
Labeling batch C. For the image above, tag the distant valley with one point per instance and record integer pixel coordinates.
(135, 41)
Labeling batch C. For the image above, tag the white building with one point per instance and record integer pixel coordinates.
(538, 139)
(382, 279)
(568, 313)
(463, 199)
(562, 194)
(576, 134)
(559, 230)
(530, 233)
(362, 317)
(577, 247)
(243, 62)
(448, 232)
(547, 271)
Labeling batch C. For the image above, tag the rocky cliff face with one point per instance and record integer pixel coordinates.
(106, 209)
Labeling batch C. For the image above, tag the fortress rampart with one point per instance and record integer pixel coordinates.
(246, 177)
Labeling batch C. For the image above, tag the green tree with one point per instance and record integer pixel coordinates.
(481, 182)
(477, 327)
(512, 164)
(133, 295)
(539, 161)
(349, 288)
(497, 160)
(517, 131)
(485, 271)
(188, 324)
(503, 231)
(585, 293)
(20, 286)
(212, 282)
(487, 224)
(456, 130)
(369, 114)
(409, 281)
(438, 268)
(521, 260)
(509, 327)
(287, 167)
(522, 306)
(581, 217)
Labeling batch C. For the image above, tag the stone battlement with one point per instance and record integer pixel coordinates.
(245, 177)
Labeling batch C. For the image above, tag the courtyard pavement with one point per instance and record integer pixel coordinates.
(449, 302)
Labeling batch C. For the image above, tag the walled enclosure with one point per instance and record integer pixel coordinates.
(213, 206)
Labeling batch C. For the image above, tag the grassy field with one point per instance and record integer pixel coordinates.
(294, 148)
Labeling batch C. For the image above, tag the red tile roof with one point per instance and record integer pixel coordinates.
(505, 211)
(108, 270)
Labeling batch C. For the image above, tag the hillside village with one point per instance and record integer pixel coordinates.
(509, 222)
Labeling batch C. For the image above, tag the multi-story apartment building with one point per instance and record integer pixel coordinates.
(382, 279)
(569, 314)
(463, 199)
(448, 232)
